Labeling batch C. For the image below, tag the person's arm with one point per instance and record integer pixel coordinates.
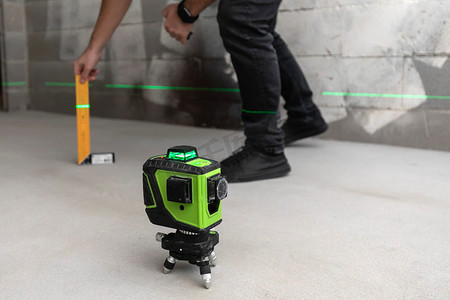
(175, 26)
(109, 18)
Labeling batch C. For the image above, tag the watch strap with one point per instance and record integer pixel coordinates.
(184, 14)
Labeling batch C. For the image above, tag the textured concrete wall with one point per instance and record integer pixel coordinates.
(349, 46)
(14, 55)
(378, 47)
(140, 53)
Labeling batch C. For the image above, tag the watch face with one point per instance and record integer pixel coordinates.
(187, 11)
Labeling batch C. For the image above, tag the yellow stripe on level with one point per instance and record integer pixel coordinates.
(83, 129)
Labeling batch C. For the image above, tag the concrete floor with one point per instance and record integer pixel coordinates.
(351, 221)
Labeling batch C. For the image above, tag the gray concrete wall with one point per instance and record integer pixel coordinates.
(14, 55)
(396, 47)
(385, 47)
(140, 53)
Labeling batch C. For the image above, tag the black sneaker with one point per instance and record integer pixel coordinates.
(296, 130)
(248, 164)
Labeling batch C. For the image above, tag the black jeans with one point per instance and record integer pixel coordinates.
(266, 70)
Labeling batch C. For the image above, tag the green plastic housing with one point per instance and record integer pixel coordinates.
(195, 210)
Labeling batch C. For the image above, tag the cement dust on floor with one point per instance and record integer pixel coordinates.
(351, 221)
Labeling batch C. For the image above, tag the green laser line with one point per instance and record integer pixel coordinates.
(258, 111)
(83, 106)
(65, 84)
(181, 88)
(173, 88)
(148, 87)
(72, 84)
(370, 95)
(17, 83)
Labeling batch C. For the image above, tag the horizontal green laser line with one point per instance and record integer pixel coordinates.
(385, 95)
(69, 84)
(173, 88)
(259, 111)
(83, 106)
(60, 84)
(148, 87)
(17, 83)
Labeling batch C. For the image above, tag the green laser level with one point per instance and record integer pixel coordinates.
(184, 191)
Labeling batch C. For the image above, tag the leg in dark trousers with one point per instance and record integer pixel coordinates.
(246, 27)
(266, 70)
(304, 118)
(294, 87)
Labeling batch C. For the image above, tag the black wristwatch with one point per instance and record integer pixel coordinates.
(185, 15)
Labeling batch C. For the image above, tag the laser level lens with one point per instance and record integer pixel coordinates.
(179, 190)
(182, 153)
(217, 188)
(222, 188)
(182, 156)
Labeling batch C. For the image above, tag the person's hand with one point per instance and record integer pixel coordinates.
(174, 26)
(85, 65)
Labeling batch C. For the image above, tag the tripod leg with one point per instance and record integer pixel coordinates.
(205, 271)
(169, 264)
(212, 259)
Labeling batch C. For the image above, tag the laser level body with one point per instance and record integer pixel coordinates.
(184, 192)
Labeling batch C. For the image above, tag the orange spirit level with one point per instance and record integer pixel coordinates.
(83, 128)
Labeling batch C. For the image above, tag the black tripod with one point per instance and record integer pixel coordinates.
(196, 248)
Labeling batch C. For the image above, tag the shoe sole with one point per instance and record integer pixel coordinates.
(306, 134)
(279, 172)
